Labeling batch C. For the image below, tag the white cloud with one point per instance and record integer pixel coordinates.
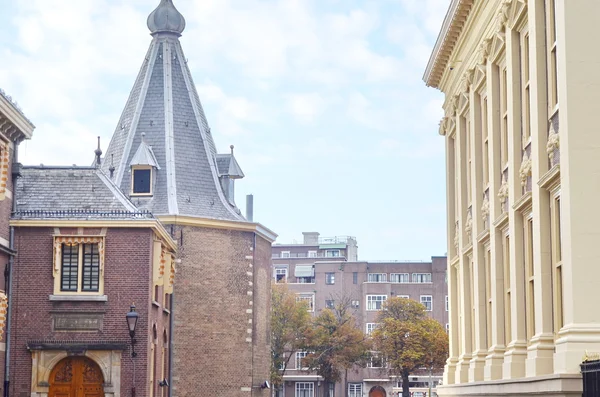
(306, 107)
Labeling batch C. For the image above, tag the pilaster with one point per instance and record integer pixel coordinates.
(579, 100)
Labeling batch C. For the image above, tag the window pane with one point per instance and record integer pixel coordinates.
(91, 268)
(69, 276)
(141, 181)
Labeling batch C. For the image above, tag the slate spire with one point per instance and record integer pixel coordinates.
(165, 105)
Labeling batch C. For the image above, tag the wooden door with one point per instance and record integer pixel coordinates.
(76, 377)
(377, 391)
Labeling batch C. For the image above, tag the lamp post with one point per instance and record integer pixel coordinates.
(132, 318)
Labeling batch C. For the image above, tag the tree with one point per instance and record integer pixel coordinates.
(335, 343)
(289, 321)
(409, 339)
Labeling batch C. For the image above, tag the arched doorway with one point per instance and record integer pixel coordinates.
(377, 391)
(76, 377)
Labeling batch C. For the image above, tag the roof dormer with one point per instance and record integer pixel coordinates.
(143, 168)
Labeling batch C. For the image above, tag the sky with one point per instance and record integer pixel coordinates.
(323, 99)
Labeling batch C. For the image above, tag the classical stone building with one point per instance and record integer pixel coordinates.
(520, 82)
(92, 241)
(325, 270)
(14, 128)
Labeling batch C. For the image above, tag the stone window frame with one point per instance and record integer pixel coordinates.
(78, 240)
(370, 327)
(355, 389)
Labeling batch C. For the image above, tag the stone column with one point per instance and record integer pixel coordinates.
(514, 362)
(541, 349)
(579, 98)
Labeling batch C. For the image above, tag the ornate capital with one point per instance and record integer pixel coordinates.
(503, 191)
(553, 141)
(484, 51)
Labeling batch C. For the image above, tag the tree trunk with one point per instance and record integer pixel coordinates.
(405, 384)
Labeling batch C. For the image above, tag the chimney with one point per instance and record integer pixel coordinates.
(250, 207)
(311, 238)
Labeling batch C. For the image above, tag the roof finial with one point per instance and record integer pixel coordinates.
(98, 153)
(166, 19)
(143, 137)
(231, 147)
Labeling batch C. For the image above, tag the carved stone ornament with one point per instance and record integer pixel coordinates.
(443, 123)
(469, 225)
(525, 169)
(467, 80)
(456, 232)
(503, 191)
(484, 51)
(553, 142)
(485, 207)
(502, 16)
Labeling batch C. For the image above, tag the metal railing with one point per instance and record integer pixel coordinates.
(590, 370)
(83, 214)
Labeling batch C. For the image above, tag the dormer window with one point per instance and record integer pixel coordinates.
(141, 181)
(143, 166)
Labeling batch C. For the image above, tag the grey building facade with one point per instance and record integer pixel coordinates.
(323, 270)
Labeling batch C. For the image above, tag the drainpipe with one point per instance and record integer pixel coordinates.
(171, 325)
(8, 274)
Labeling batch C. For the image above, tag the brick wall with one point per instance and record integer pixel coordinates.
(221, 307)
(127, 278)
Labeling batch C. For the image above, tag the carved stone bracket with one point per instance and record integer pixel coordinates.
(469, 225)
(553, 142)
(484, 51)
(485, 207)
(503, 192)
(525, 169)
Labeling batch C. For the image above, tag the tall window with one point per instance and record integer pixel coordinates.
(421, 277)
(354, 277)
(80, 268)
(281, 273)
(504, 117)
(355, 390)
(371, 327)
(329, 278)
(485, 141)
(376, 360)
(141, 181)
(305, 389)
(377, 277)
(525, 90)
(529, 278)
(551, 54)
(507, 309)
(374, 302)
(300, 362)
(488, 295)
(399, 278)
(447, 303)
(427, 301)
(557, 263)
(332, 253)
(469, 159)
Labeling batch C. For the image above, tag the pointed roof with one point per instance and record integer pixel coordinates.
(165, 105)
(227, 165)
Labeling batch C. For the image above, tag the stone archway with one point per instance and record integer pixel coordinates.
(377, 391)
(76, 376)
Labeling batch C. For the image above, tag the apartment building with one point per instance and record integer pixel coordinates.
(323, 270)
(520, 82)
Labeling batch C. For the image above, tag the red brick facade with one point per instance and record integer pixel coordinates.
(127, 280)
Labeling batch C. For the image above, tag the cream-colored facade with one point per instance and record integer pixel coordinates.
(522, 86)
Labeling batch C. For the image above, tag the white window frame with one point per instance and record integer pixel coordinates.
(377, 277)
(307, 387)
(312, 254)
(285, 269)
(355, 389)
(339, 253)
(447, 327)
(380, 357)
(418, 278)
(428, 299)
(355, 304)
(400, 278)
(373, 300)
(447, 303)
(299, 356)
(370, 327)
(328, 280)
(285, 254)
(307, 297)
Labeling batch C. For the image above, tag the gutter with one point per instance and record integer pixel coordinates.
(8, 274)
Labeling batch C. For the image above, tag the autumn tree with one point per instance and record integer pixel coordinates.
(289, 322)
(335, 343)
(409, 339)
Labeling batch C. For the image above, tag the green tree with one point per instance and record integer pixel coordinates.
(289, 322)
(409, 339)
(335, 343)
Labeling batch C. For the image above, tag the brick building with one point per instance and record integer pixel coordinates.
(93, 241)
(322, 270)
